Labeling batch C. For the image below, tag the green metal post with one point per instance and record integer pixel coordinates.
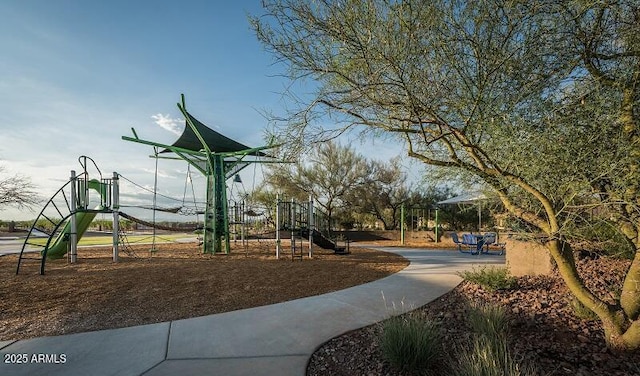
(216, 221)
(209, 215)
(402, 224)
(221, 220)
(437, 229)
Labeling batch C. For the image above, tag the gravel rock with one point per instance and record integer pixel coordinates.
(544, 330)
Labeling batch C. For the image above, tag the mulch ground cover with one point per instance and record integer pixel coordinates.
(177, 281)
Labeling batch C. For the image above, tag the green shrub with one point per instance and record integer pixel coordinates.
(493, 278)
(601, 237)
(489, 354)
(489, 357)
(489, 321)
(411, 344)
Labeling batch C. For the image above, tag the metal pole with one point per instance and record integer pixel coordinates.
(73, 233)
(209, 215)
(243, 221)
(115, 206)
(234, 221)
(155, 199)
(311, 226)
(293, 228)
(402, 224)
(278, 242)
(437, 228)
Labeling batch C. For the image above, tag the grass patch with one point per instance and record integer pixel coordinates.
(489, 357)
(108, 240)
(493, 278)
(489, 321)
(411, 344)
(489, 354)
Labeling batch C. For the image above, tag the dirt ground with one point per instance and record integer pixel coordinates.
(176, 282)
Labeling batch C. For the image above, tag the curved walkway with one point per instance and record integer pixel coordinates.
(269, 340)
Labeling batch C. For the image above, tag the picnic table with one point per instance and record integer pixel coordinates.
(474, 243)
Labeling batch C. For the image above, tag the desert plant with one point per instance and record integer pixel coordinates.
(489, 357)
(489, 321)
(411, 343)
(601, 237)
(493, 278)
(497, 99)
(489, 354)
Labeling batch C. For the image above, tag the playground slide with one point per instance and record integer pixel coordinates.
(83, 220)
(326, 243)
(61, 244)
(322, 241)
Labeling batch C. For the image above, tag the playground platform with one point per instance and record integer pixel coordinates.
(269, 340)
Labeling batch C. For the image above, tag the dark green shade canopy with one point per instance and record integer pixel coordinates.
(216, 142)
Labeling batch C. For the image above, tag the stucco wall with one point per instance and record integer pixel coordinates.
(527, 258)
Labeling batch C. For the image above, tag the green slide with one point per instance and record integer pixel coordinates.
(83, 219)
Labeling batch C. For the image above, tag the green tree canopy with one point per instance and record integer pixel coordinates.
(382, 193)
(538, 100)
(329, 175)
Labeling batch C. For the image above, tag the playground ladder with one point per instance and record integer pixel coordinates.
(297, 244)
(49, 222)
(50, 235)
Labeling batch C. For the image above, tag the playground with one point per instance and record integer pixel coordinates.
(177, 281)
(225, 264)
(69, 213)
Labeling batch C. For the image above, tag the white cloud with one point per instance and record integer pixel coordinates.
(167, 122)
(161, 173)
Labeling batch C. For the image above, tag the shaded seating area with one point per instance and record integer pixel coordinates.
(478, 243)
(490, 240)
(468, 244)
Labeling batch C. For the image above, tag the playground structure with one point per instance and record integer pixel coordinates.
(305, 223)
(68, 214)
(418, 222)
(218, 158)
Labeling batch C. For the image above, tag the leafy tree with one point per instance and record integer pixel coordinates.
(17, 190)
(329, 174)
(522, 95)
(383, 193)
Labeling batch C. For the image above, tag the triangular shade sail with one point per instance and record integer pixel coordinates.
(216, 142)
(466, 198)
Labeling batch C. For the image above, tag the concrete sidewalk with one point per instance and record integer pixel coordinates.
(271, 340)
(10, 245)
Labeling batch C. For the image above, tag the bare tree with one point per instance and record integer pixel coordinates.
(16, 190)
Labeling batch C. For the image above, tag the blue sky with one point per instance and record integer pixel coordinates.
(75, 76)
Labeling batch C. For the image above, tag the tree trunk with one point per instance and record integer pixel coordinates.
(630, 295)
(621, 333)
